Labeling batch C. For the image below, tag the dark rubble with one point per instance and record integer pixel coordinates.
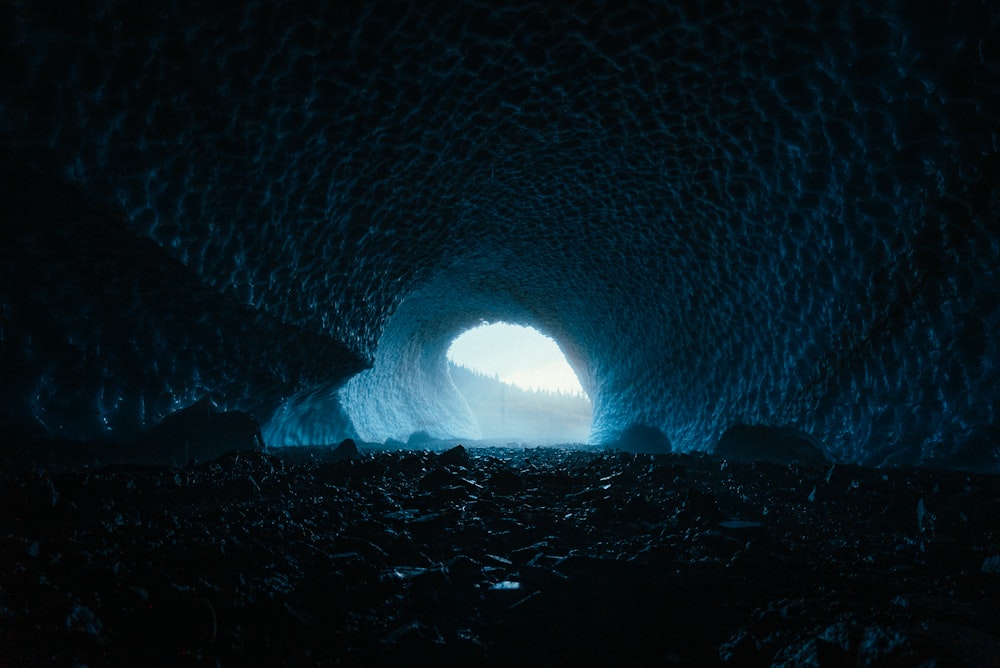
(498, 557)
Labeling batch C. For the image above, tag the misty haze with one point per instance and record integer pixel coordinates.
(509, 413)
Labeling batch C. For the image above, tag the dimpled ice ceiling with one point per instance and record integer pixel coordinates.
(758, 212)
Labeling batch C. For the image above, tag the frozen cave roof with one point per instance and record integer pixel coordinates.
(781, 213)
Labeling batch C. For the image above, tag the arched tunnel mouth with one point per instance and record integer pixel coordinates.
(411, 389)
(488, 384)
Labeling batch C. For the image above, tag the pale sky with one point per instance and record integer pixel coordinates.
(518, 355)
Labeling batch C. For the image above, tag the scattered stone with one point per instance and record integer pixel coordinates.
(249, 461)
(507, 557)
(505, 481)
(741, 526)
(464, 571)
(82, 619)
(698, 507)
(740, 649)
(925, 520)
(438, 479)
(991, 565)
(882, 646)
(667, 474)
(413, 635)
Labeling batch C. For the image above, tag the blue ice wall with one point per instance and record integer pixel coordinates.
(104, 334)
(759, 212)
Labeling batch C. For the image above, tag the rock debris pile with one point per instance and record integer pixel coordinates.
(498, 557)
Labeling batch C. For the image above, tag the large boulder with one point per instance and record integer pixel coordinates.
(200, 433)
(419, 439)
(639, 438)
(781, 445)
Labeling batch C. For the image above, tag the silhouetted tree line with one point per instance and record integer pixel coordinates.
(504, 410)
(493, 386)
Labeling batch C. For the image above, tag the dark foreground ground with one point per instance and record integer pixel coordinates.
(498, 557)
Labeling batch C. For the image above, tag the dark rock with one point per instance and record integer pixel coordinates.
(249, 461)
(840, 478)
(851, 644)
(991, 565)
(541, 577)
(658, 555)
(642, 439)
(698, 508)
(347, 449)
(813, 652)
(667, 474)
(966, 645)
(413, 464)
(457, 456)
(431, 587)
(589, 560)
(780, 445)
(880, 646)
(530, 553)
(438, 479)
(740, 649)
(742, 527)
(464, 571)
(412, 636)
(82, 619)
(199, 433)
(505, 481)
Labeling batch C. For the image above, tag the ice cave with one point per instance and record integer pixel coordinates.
(763, 233)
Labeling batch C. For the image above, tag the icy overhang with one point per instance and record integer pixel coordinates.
(776, 214)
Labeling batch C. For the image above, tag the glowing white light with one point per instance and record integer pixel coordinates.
(517, 355)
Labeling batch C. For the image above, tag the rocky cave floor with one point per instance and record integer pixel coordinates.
(497, 557)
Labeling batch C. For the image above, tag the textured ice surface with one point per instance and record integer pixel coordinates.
(103, 333)
(782, 213)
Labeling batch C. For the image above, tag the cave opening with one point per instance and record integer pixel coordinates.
(519, 385)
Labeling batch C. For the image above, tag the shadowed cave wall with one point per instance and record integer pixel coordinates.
(756, 212)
